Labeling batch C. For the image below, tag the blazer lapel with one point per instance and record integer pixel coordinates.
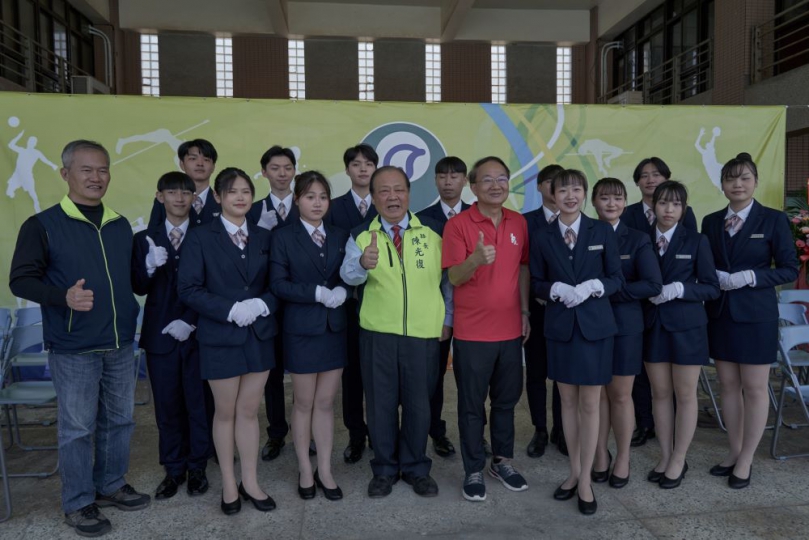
(308, 245)
(333, 247)
(582, 244)
(253, 250)
(718, 238)
(226, 244)
(623, 237)
(560, 249)
(674, 246)
(743, 236)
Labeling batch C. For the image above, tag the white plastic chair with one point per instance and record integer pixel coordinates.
(790, 337)
(793, 295)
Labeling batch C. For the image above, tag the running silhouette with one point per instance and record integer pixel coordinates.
(23, 176)
(601, 151)
(709, 161)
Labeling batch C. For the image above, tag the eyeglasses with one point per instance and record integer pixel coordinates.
(489, 181)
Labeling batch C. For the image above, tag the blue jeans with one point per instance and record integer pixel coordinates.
(96, 399)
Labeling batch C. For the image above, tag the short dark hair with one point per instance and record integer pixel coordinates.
(569, 177)
(549, 172)
(176, 180)
(609, 186)
(450, 164)
(305, 180)
(205, 148)
(227, 177)
(81, 144)
(659, 164)
(365, 149)
(276, 151)
(735, 167)
(671, 190)
(388, 168)
(479, 163)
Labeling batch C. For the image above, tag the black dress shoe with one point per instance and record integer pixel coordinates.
(443, 447)
(272, 449)
(197, 482)
(536, 448)
(562, 494)
(306, 493)
(671, 483)
(331, 494)
(599, 477)
(263, 505)
(168, 487)
(381, 486)
(354, 450)
(654, 476)
(738, 483)
(588, 508)
(232, 507)
(617, 482)
(424, 486)
(721, 470)
(641, 435)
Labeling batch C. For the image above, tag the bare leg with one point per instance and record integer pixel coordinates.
(225, 393)
(622, 410)
(589, 398)
(756, 410)
(569, 395)
(662, 410)
(602, 460)
(303, 388)
(251, 390)
(730, 391)
(684, 379)
(323, 423)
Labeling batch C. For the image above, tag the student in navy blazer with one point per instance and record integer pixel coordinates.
(167, 336)
(450, 179)
(575, 269)
(754, 252)
(274, 212)
(676, 340)
(346, 212)
(225, 278)
(648, 174)
(642, 280)
(536, 356)
(305, 273)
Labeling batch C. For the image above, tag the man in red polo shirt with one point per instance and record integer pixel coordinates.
(485, 251)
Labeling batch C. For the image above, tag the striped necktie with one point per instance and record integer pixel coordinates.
(733, 224)
(662, 245)
(176, 237)
(318, 238)
(397, 239)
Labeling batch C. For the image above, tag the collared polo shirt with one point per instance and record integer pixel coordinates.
(487, 307)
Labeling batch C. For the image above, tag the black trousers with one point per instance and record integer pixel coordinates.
(536, 374)
(353, 410)
(481, 368)
(274, 403)
(179, 406)
(438, 427)
(642, 396)
(398, 371)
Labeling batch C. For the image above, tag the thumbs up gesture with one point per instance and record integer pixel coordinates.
(483, 254)
(370, 256)
(156, 257)
(79, 299)
(268, 219)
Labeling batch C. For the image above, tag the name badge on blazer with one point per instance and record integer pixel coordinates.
(757, 235)
(683, 256)
(626, 257)
(598, 247)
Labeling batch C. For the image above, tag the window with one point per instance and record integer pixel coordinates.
(149, 65)
(498, 73)
(365, 50)
(433, 72)
(224, 67)
(297, 72)
(564, 70)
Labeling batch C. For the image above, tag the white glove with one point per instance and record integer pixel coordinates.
(575, 297)
(156, 257)
(178, 329)
(669, 293)
(257, 308)
(338, 296)
(268, 219)
(592, 287)
(723, 279)
(737, 280)
(241, 314)
(559, 290)
(323, 295)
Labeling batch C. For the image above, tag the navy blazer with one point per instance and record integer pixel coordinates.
(163, 304)
(213, 277)
(344, 214)
(297, 268)
(595, 256)
(765, 237)
(634, 218)
(210, 210)
(642, 279)
(293, 214)
(688, 260)
(436, 213)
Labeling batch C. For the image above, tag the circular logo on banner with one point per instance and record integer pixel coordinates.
(416, 151)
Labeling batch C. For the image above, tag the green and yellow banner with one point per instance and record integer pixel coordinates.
(142, 135)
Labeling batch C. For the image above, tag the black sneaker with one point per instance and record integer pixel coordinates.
(125, 498)
(508, 475)
(474, 489)
(88, 521)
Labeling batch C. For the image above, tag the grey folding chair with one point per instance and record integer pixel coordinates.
(705, 384)
(139, 355)
(3, 471)
(793, 295)
(790, 337)
(28, 316)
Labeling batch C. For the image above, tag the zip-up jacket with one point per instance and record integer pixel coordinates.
(77, 249)
(403, 296)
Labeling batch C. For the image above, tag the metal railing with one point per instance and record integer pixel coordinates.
(782, 43)
(684, 76)
(33, 66)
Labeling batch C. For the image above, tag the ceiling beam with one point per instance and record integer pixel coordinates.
(452, 18)
(278, 16)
